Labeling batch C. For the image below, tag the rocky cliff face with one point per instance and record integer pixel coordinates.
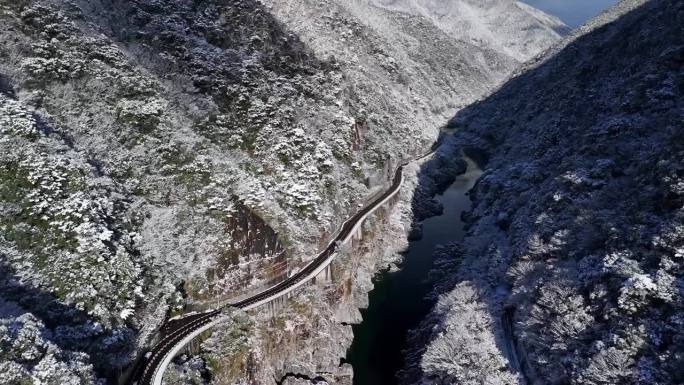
(572, 271)
(129, 127)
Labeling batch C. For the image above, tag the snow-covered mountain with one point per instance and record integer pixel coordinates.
(511, 27)
(156, 154)
(571, 271)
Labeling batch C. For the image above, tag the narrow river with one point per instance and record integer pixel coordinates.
(397, 303)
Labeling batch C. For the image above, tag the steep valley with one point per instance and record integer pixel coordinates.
(133, 131)
(571, 268)
(162, 157)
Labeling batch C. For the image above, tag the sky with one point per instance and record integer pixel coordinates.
(573, 12)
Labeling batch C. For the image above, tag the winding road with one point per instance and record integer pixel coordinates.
(176, 334)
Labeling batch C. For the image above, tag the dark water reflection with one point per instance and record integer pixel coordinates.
(397, 303)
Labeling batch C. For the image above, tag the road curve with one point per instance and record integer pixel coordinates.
(178, 333)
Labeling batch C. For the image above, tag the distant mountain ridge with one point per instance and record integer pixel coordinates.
(511, 27)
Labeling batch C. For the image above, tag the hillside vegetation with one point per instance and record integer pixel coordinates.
(572, 271)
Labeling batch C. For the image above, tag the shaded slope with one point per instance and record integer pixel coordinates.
(576, 226)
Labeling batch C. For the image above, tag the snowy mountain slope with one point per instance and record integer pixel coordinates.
(130, 128)
(572, 264)
(511, 27)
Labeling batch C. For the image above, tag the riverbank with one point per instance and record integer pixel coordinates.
(399, 301)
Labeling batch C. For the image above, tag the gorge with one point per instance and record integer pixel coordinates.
(164, 157)
(400, 299)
